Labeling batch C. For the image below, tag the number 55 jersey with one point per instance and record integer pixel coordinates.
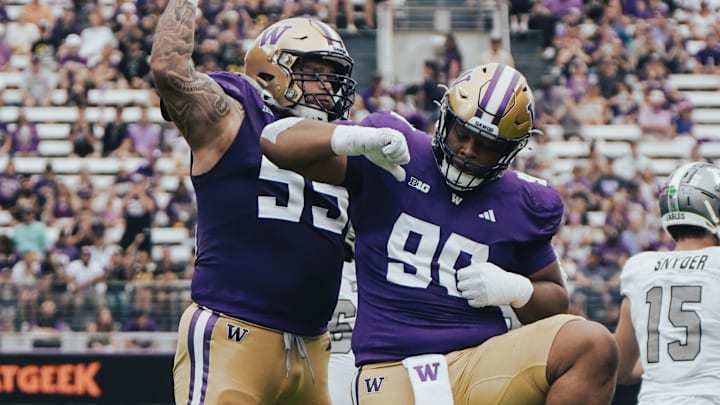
(413, 236)
(675, 310)
(269, 242)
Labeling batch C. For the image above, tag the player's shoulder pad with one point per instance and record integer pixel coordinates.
(541, 202)
(388, 119)
(239, 87)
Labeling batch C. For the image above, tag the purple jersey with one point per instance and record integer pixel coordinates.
(269, 243)
(412, 237)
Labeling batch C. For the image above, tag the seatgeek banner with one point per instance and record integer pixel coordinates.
(53, 377)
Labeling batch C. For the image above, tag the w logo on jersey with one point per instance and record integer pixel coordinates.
(427, 371)
(374, 384)
(236, 333)
(272, 35)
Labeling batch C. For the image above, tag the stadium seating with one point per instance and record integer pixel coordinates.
(676, 148)
(611, 132)
(694, 81)
(118, 96)
(705, 115)
(703, 98)
(53, 147)
(14, 96)
(707, 132)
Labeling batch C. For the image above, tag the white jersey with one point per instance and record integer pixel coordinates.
(341, 369)
(675, 310)
(511, 320)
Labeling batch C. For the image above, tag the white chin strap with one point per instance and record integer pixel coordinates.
(311, 113)
(458, 180)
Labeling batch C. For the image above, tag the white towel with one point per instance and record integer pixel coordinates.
(430, 379)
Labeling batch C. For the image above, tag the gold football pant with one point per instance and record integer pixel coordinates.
(222, 360)
(508, 369)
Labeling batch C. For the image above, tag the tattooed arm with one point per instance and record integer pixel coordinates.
(204, 114)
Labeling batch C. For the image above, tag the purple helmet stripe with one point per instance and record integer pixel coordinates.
(491, 87)
(509, 91)
(327, 33)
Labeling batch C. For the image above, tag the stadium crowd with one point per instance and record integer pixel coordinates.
(609, 63)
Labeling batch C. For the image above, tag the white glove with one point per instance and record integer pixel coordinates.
(486, 284)
(385, 147)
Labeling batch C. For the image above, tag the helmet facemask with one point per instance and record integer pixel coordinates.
(337, 90)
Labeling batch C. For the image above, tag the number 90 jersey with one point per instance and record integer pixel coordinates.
(675, 310)
(413, 236)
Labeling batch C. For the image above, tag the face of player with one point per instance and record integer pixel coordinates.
(316, 88)
(473, 149)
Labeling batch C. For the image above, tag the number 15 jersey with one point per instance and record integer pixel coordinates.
(675, 310)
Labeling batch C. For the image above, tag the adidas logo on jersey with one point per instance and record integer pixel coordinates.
(488, 215)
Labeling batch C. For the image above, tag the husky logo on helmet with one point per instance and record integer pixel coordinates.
(272, 35)
(493, 102)
(690, 197)
(274, 61)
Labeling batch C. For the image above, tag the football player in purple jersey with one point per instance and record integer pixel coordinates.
(269, 243)
(439, 251)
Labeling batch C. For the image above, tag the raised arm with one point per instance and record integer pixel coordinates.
(198, 106)
(318, 150)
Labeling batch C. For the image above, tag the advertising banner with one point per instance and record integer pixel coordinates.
(52, 377)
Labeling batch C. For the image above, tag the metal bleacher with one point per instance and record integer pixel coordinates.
(702, 90)
(54, 126)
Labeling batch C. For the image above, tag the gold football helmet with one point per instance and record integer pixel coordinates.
(491, 101)
(275, 62)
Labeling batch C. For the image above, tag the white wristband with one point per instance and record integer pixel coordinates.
(523, 293)
(352, 140)
(193, 2)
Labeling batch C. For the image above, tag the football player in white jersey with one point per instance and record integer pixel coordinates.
(341, 368)
(669, 329)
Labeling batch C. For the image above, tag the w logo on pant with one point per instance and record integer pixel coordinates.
(374, 384)
(427, 371)
(236, 333)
